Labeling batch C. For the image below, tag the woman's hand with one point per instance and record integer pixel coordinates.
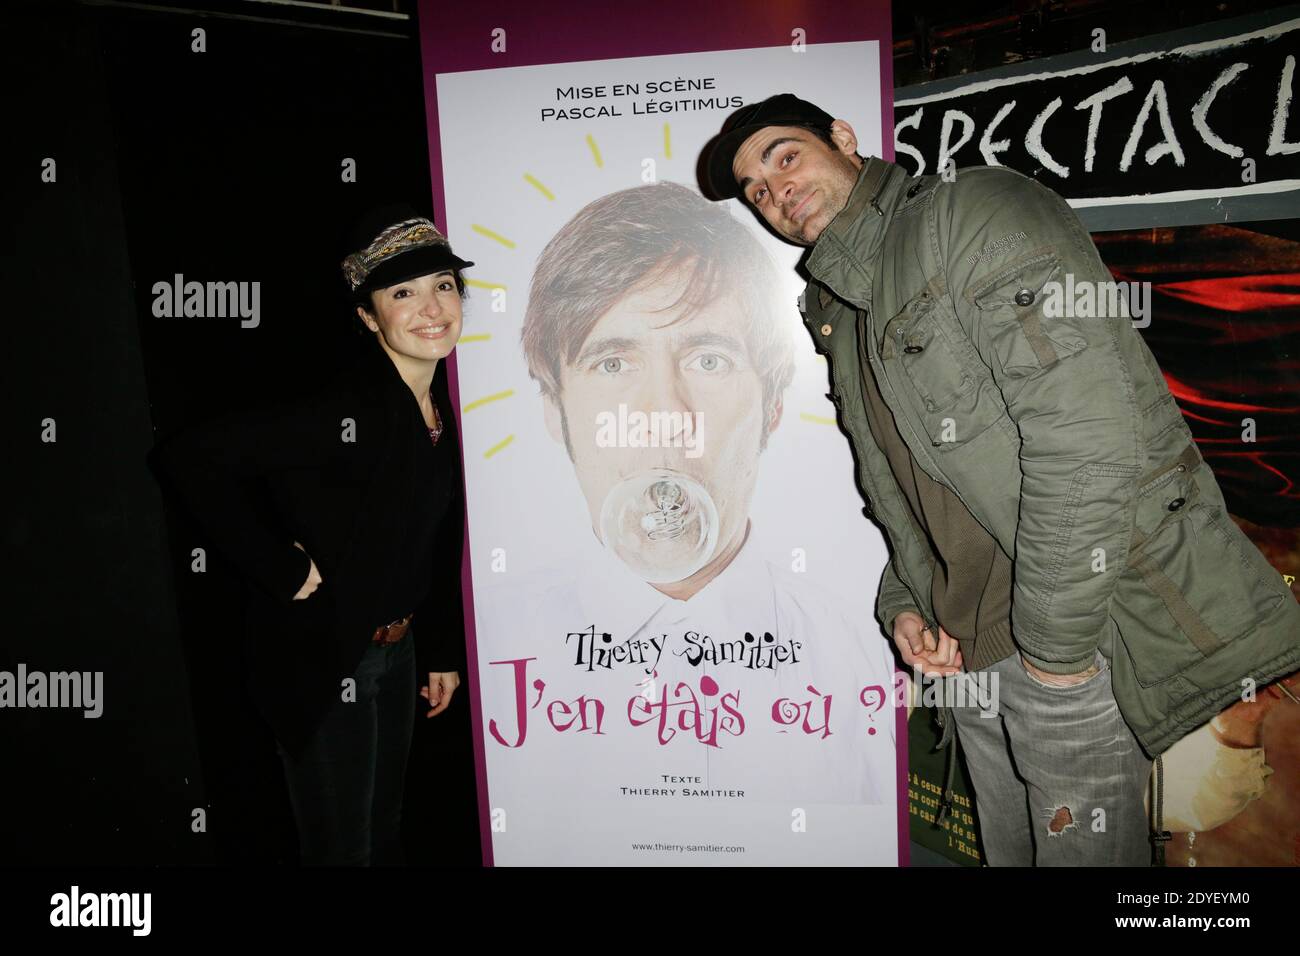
(313, 578)
(439, 690)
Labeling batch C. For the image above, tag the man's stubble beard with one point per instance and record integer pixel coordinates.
(837, 191)
(836, 200)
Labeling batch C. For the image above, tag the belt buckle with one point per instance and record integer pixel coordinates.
(393, 632)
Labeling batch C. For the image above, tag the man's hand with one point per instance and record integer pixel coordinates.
(313, 578)
(920, 649)
(1059, 680)
(439, 690)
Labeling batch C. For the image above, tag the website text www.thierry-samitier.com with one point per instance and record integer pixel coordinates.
(687, 848)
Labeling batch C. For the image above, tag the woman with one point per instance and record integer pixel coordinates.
(341, 566)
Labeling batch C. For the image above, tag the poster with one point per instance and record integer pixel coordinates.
(676, 659)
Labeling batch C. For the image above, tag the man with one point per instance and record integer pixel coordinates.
(657, 301)
(1049, 515)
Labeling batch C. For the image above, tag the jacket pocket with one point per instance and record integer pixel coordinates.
(940, 374)
(1043, 332)
(1189, 587)
(924, 353)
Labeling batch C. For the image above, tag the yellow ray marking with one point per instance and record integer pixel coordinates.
(816, 419)
(532, 181)
(480, 402)
(595, 151)
(498, 446)
(495, 237)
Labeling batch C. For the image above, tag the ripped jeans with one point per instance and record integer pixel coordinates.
(1059, 777)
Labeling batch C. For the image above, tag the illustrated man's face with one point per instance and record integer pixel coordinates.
(658, 361)
(795, 180)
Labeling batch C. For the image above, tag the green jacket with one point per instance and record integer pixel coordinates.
(1057, 432)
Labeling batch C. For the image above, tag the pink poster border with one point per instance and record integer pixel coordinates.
(537, 34)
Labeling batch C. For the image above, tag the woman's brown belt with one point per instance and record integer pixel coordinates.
(392, 633)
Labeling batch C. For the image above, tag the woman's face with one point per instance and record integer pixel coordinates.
(417, 318)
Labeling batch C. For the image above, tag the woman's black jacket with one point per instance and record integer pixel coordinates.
(337, 471)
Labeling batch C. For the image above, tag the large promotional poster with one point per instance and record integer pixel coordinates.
(676, 658)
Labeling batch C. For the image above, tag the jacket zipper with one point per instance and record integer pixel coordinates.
(864, 328)
(942, 480)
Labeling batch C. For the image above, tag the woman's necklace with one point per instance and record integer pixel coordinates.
(436, 431)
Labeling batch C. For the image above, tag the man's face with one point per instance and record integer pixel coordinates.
(650, 362)
(795, 180)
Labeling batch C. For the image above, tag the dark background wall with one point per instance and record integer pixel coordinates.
(222, 166)
(941, 39)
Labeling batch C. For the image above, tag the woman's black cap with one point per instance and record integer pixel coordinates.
(784, 109)
(392, 243)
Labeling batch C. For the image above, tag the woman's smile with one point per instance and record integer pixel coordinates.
(431, 330)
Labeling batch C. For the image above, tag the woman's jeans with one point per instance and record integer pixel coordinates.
(1059, 777)
(346, 787)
